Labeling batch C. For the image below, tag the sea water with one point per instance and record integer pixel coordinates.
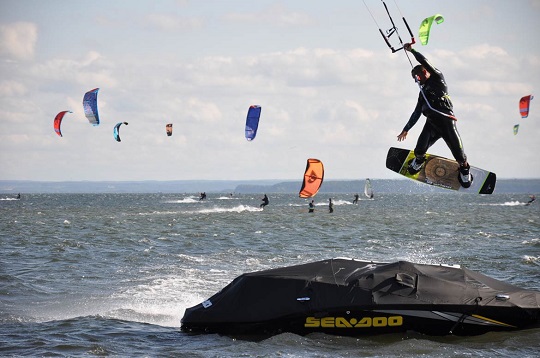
(111, 274)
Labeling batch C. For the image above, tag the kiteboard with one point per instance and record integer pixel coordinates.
(439, 171)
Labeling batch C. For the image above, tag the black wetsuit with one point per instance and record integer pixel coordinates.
(265, 201)
(440, 120)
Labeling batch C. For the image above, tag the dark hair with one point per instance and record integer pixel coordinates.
(417, 69)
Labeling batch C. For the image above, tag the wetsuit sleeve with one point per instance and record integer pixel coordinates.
(415, 115)
(424, 62)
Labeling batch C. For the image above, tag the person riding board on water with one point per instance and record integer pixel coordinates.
(265, 201)
(434, 103)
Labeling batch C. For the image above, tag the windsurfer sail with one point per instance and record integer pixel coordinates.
(116, 131)
(58, 122)
(252, 121)
(90, 106)
(313, 178)
(368, 189)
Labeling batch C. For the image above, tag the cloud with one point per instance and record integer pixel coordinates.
(18, 40)
(91, 69)
(295, 70)
(491, 88)
(275, 15)
(12, 88)
(200, 110)
(172, 23)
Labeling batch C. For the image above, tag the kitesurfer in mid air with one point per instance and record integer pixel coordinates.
(434, 103)
(265, 201)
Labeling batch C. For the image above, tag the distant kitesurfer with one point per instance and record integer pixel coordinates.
(434, 103)
(203, 196)
(330, 205)
(19, 196)
(312, 206)
(265, 201)
(533, 198)
(356, 197)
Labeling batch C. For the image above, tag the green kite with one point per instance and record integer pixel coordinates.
(425, 26)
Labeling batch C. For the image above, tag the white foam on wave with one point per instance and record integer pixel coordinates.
(342, 202)
(159, 301)
(188, 200)
(185, 257)
(160, 213)
(534, 242)
(163, 300)
(153, 297)
(235, 209)
(531, 259)
(512, 203)
(507, 203)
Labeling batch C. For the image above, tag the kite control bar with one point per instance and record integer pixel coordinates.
(394, 30)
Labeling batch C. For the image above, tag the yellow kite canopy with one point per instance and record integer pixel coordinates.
(425, 27)
(313, 178)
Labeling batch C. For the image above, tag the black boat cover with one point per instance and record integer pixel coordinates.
(297, 298)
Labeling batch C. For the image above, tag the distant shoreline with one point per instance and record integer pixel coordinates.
(12, 187)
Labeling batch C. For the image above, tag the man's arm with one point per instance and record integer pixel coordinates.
(414, 116)
(412, 120)
(422, 59)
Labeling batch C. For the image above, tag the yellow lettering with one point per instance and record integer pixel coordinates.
(379, 322)
(312, 322)
(395, 321)
(342, 323)
(364, 322)
(327, 322)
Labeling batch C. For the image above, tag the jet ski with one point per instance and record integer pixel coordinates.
(349, 297)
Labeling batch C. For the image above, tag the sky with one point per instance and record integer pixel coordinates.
(328, 85)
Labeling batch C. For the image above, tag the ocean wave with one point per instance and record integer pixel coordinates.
(235, 209)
